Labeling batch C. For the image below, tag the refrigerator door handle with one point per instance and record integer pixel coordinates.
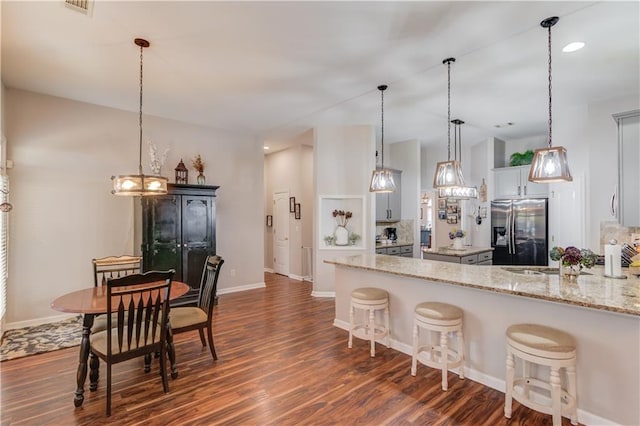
(508, 231)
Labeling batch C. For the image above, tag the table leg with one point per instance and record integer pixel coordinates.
(84, 356)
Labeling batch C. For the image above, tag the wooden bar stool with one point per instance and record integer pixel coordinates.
(369, 300)
(543, 346)
(444, 319)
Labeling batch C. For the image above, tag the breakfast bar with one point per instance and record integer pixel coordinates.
(602, 314)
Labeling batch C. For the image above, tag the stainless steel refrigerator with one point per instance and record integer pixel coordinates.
(519, 232)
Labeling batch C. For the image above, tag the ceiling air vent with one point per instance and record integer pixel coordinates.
(82, 6)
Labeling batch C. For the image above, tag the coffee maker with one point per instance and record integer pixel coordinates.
(391, 234)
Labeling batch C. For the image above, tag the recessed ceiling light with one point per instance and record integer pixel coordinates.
(572, 47)
(507, 124)
(265, 147)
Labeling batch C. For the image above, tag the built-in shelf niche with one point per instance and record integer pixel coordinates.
(327, 223)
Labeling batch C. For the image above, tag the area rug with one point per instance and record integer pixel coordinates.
(42, 338)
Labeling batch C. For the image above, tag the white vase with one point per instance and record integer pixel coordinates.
(342, 236)
(457, 243)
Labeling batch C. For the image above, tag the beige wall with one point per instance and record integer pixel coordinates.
(344, 158)
(64, 215)
(291, 170)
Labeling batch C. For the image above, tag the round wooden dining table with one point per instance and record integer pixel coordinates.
(91, 302)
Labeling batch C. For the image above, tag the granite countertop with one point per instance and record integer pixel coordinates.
(591, 291)
(396, 244)
(465, 251)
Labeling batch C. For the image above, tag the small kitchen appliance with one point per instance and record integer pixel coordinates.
(391, 234)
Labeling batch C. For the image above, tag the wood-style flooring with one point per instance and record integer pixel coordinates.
(280, 362)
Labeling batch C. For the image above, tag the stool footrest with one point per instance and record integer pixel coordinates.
(364, 331)
(568, 402)
(424, 357)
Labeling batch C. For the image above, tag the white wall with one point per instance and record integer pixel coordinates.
(405, 156)
(64, 215)
(344, 158)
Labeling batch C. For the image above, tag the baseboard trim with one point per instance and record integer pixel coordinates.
(37, 321)
(584, 417)
(323, 294)
(296, 277)
(241, 288)
(269, 270)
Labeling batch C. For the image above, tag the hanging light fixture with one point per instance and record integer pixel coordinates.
(458, 192)
(550, 164)
(448, 173)
(139, 184)
(381, 178)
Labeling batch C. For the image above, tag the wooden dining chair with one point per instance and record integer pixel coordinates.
(200, 317)
(115, 267)
(112, 267)
(137, 322)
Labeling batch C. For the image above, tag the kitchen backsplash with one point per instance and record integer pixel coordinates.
(404, 229)
(613, 230)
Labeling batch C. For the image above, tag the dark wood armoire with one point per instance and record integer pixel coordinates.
(179, 232)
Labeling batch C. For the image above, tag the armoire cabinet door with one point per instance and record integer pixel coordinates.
(198, 236)
(163, 248)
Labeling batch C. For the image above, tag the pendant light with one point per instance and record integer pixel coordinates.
(381, 178)
(448, 173)
(550, 164)
(461, 192)
(139, 184)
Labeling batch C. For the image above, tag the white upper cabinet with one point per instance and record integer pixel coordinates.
(513, 182)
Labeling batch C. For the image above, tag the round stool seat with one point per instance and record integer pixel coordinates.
(369, 293)
(437, 312)
(541, 341)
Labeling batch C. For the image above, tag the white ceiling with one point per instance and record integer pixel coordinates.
(278, 68)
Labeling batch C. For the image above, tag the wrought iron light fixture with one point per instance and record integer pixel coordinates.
(550, 164)
(381, 178)
(448, 173)
(140, 184)
(458, 192)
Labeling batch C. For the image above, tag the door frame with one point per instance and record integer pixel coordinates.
(285, 214)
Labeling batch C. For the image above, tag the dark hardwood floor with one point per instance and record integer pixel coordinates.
(280, 362)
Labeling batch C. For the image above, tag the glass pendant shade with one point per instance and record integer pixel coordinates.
(550, 165)
(448, 173)
(382, 181)
(139, 185)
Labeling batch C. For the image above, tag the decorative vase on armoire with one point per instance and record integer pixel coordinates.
(200, 179)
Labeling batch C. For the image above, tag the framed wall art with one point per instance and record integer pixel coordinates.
(297, 210)
(292, 204)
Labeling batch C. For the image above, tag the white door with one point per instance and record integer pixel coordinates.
(281, 233)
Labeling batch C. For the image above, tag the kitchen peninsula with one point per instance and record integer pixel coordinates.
(602, 314)
(466, 255)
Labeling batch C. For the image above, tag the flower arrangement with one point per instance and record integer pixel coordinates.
(456, 233)
(156, 161)
(342, 217)
(353, 238)
(198, 164)
(573, 256)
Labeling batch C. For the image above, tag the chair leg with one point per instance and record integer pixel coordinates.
(170, 350)
(163, 370)
(556, 395)
(204, 343)
(351, 319)
(414, 359)
(372, 330)
(211, 345)
(444, 358)
(571, 388)
(508, 394)
(386, 324)
(108, 389)
(461, 353)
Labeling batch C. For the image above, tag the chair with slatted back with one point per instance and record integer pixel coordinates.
(187, 318)
(137, 322)
(115, 267)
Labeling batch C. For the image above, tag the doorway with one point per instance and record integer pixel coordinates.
(281, 253)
